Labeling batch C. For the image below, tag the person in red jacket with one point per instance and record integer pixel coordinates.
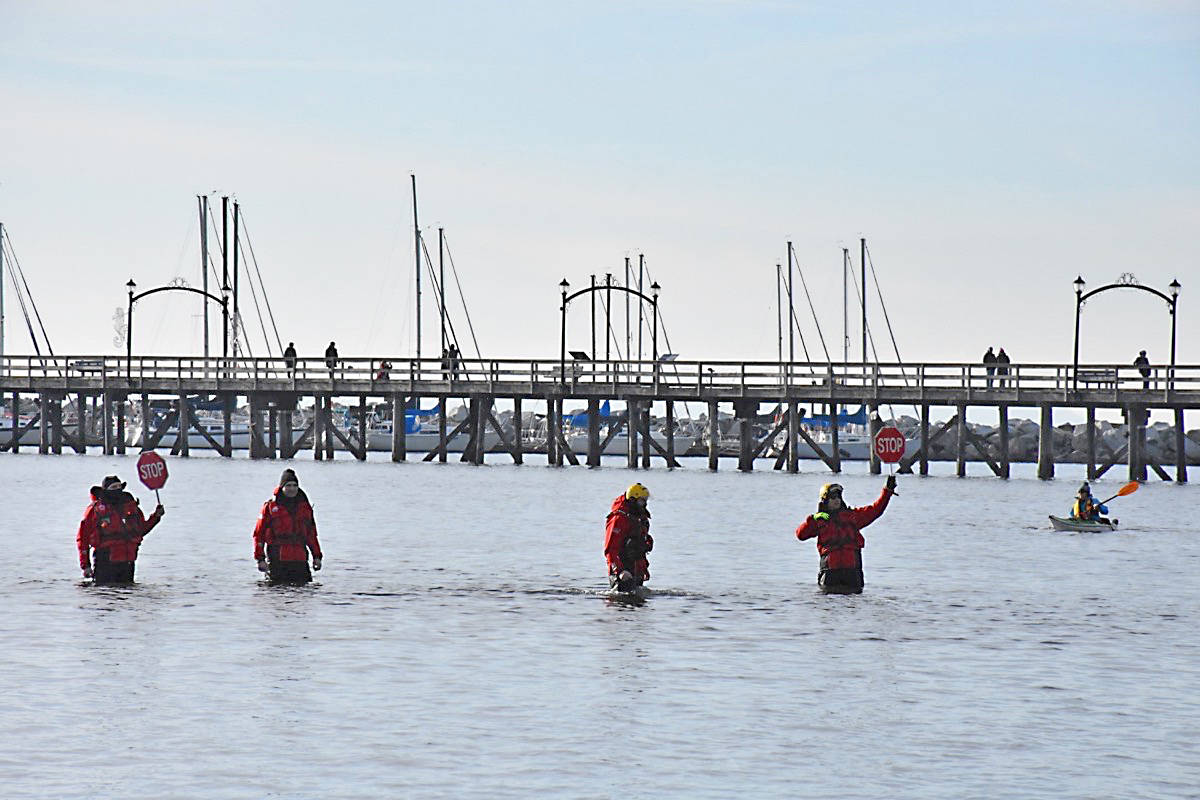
(285, 533)
(839, 538)
(627, 540)
(111, 533)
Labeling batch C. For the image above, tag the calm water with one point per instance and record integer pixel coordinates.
(458, 643)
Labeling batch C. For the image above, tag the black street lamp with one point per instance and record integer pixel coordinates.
(133, 298)
(562, 353)
(129, 331)
(1174, 290)
(1127, 282)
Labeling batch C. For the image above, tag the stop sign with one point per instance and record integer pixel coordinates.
(152, 470)
(889, 445)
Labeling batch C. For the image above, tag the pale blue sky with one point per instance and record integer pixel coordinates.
(989, 153)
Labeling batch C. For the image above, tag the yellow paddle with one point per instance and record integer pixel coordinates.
(1125, 490)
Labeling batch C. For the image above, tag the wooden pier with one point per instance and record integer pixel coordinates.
(35, 389)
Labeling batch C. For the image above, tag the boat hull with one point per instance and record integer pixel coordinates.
(1076, 525)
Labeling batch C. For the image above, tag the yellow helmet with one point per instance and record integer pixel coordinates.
(830, 488)
(637, 492)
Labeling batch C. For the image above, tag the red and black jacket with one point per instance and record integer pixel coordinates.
(627, 539)
(286, 529)
(113, 525)
(839, 540)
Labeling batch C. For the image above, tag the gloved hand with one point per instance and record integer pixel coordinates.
(87, 572)
(159, 511)
(891, 483)
(262, 565)
(822, 516)
(316, 565)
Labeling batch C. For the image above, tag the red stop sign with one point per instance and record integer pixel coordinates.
(152, 470)
(889, 445)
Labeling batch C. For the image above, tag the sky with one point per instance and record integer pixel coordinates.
(988, 152)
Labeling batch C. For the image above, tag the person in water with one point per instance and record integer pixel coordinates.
(837, 529)
(111, 533)
(627, 539)
(1086, 508)
(285, 533)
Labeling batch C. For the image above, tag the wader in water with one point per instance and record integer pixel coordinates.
(291, 572)
(632, 552)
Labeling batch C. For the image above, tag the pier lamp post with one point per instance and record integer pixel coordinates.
(1174, 291)
(129, 331)
(1127, 281)
(562, 353)
(1080, 284)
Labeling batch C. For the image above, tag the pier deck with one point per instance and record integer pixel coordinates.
(274, 388)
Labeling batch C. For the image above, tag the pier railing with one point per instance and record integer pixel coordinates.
(673, 378)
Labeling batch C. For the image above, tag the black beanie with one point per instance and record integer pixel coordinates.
(289, 476)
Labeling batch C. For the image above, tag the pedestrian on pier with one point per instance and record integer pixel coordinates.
(453, 362)
(1002, 362)
(289, 358)
(331, 358)
(111, 533)
(989, 363)
(445, 364)
(838, 530)
(627, 540)
(1143, 365)
(285, 534)
(385, 370)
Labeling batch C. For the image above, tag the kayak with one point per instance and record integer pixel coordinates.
(1068, 524)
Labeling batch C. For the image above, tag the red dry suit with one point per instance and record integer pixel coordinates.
(115, 524)
(286, 529)
(838, 538)
(627, 539)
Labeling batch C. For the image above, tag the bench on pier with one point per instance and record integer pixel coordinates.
(88, 366)
(1103, 378)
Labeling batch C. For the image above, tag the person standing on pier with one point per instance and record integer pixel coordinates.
(289, 358)
(285, 533)
(331, 358)
(1143, 365)
(627, 539)
(838, 530)
(989, 363)
(1002, 362)
(111, 533)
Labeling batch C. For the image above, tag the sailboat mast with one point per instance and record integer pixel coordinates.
(237, 315)
(845, 305)
(628, 334)
(791, 309)
(641, 304)
(225, 268)
(779, 312)
(442, 281)
(863, 287)
(417, 250)
(203, 199)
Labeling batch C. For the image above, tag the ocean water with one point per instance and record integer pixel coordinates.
(459, 642)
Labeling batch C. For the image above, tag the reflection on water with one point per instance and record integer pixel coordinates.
(461, 641)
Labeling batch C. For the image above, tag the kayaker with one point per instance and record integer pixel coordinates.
(111, 533)
(627, 539)
(285, 533)
(837, 529)
(1086, 508)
